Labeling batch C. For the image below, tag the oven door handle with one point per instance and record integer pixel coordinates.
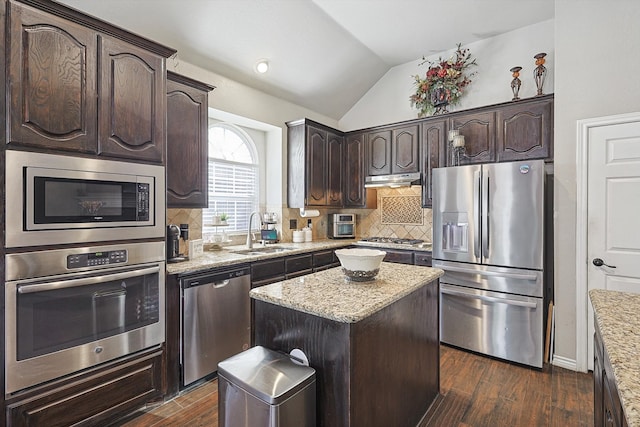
(62, 284)
(489, 299)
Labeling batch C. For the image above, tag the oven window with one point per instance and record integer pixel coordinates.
(344, 229)
(62, 200)
(54, 320)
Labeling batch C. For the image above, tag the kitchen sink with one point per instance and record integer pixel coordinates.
(262, 250)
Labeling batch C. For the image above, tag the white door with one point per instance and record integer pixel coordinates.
(613, 212)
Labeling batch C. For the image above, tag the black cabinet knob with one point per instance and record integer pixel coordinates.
(598, 262)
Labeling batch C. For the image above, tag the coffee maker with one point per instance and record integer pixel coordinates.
(173, 244)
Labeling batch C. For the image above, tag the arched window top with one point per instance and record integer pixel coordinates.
(230, 143)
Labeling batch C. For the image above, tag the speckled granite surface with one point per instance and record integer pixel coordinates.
(426, 247)
(328, 294)
(618, 317)
(226, 256)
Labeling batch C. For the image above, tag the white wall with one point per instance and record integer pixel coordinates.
(597, 67)
(242, 101)
(388, 99)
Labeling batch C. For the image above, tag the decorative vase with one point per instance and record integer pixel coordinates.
(540, 72)
(515, 83)
(440, 100)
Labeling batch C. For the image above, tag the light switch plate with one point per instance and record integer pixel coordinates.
(195, 248)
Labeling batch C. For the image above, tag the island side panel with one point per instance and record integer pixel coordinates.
(396, 361)
(326, 344)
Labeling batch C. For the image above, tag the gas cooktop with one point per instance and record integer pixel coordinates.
(394, 240)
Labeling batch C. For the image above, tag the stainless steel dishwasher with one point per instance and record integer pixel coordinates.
(215, 319)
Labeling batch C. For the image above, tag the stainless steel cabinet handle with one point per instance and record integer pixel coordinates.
(598, 262)
(62, 284)
(490, 299)
(490, 273)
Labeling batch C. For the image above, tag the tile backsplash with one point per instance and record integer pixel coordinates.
(398, 214)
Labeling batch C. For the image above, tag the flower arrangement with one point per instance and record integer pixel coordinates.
(443, 83)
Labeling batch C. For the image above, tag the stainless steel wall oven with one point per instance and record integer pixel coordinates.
(70, 309)
(57, 199)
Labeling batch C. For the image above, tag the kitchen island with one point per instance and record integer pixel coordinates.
(374, 345)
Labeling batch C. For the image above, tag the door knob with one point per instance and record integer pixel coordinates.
(599, 263)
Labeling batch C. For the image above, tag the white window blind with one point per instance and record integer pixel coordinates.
(233, 178)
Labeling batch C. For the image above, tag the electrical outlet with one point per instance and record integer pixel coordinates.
(293, 224)
(195, 248)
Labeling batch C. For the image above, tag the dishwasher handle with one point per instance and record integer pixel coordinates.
(218, 279)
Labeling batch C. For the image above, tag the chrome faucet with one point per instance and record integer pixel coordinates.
(249, 238)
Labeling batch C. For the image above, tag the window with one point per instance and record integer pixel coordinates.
(233, 177)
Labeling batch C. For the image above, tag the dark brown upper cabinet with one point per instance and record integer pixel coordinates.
(434, 140)
(133, 102)
(315, 165)
(525, 131)
(187, 142)
(405, 149)
(394, 150)
(355, 194)
(79, 84)
(479, 130)
(52, 82)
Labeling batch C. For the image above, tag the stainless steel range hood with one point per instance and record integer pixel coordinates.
(396, 180)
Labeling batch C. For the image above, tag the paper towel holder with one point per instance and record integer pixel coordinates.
(311, 213)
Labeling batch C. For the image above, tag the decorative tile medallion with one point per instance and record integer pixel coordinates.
(401, 210)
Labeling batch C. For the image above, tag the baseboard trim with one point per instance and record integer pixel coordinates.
(564, 362)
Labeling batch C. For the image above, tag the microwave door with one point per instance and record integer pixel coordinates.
(456, 211)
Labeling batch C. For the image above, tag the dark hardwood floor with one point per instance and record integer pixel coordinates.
(475, 391)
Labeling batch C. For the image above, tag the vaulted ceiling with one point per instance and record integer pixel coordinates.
(323, 54)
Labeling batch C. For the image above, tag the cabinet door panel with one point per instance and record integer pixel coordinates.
(354, 154)
(52, 82)
(479, 134)
(334, 170)
(316, 167)
(433, 143)
(379, 154)
(132, 102)
(186, 146)
(525, 132)
(405, 150)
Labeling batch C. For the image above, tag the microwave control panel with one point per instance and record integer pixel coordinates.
(96, 258)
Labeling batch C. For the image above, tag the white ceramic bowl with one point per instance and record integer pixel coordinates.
(359, 264)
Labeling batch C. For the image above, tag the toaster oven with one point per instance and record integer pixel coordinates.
(341, 226)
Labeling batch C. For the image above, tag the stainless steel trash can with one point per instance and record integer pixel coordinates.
(262, 388)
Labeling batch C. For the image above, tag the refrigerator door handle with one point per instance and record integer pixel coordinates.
(489, 273)
(490, 299)
(477, 213)
(485, 215)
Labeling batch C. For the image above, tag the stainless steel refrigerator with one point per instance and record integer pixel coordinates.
(488, 235)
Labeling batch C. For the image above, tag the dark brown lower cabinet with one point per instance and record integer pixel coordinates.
(361, 381)
(607, 409)
(98, 397)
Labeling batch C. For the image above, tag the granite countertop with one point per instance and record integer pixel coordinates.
(224, 257)
(424, 247)
(328, 294)
(618, 317)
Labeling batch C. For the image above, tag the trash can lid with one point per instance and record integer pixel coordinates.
(268, 375)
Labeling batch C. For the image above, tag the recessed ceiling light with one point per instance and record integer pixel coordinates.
(262, 66)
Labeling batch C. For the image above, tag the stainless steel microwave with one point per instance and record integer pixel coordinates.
(54, 199)
(341, 226)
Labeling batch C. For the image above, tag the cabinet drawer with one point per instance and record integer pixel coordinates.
(94, 400)
(422, 258)
(263, 270)
(320, 259)
(298, 263)
(401, 257)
